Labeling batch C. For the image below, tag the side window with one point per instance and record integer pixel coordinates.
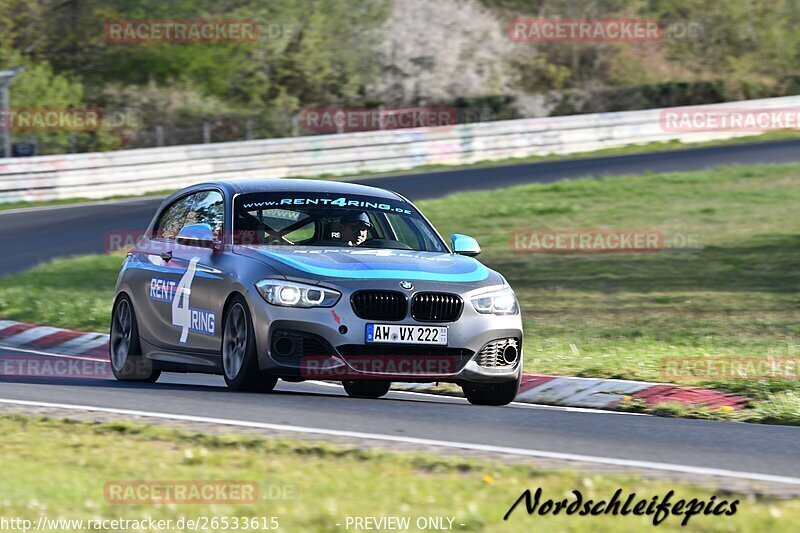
(403, 231)
(172, 219)
(414, 233)
(208, 208)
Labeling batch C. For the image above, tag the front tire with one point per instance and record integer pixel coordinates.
(124, 348)
(496, 394)
(366, 388)
(239, 351)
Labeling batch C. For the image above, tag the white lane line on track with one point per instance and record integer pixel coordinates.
(697, 470)
(48, 354)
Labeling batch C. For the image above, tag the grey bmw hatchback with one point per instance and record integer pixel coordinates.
(260, 280)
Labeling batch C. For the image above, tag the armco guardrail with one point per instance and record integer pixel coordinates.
(98, 175)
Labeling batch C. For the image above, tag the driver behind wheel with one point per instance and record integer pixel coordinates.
(355, 226)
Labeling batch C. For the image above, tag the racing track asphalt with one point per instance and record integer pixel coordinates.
(28, 237)
(31, 236)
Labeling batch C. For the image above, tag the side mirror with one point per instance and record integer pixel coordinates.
(465, 245)
(196, 235)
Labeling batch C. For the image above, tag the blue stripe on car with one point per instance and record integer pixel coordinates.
(470, 270)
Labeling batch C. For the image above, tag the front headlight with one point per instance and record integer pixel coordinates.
(292, 294)
(502, 302)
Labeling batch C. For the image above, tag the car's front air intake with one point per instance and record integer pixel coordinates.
(499, 353)
(380, 305)
(289, 343)
(436, 307)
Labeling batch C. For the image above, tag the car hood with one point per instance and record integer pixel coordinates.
(317, 263)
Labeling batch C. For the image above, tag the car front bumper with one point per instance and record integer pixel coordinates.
(334, 344)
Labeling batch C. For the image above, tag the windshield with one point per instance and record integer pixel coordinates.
(327, 219)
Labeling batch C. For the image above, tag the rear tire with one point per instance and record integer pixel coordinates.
(124, 348)
(239, 352)
(496, 394)
(367, 388)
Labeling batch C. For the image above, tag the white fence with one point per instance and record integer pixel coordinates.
(98, 175)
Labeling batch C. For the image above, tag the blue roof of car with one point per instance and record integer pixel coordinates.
(245, 186)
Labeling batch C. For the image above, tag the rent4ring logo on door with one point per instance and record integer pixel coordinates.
(178, 293)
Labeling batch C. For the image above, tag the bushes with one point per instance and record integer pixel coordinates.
(324, 53)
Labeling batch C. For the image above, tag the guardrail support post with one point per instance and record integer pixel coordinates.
(6, 77)
(5, 123)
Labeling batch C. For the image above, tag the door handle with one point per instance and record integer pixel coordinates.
(166, 256)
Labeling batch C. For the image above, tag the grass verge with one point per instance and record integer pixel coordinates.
(781, 408)
(73, 293)
(59, 469)
(733, 293)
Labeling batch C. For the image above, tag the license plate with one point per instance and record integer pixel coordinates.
(399, 334)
